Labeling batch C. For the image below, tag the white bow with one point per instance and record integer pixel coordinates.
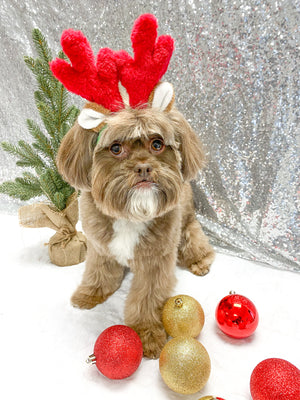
(89, 118)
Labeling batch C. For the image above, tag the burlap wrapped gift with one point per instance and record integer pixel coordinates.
(67, 246)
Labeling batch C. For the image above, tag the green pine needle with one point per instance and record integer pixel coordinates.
(22, 188)
(42, 143)
(59, 200)
(41, 46)
(29, 61)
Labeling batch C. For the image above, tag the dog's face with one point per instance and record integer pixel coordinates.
(137, 168)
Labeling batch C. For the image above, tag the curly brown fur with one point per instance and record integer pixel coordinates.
(137, 211)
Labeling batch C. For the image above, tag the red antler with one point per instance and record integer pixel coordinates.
(94, 82)
(140, 74)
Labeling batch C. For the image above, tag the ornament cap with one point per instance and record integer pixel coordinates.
(178, 302)
(91, 359)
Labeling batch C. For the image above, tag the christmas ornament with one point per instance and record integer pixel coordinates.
(183, 315)
(236, 316)
(184, 365)
(118, 352)
(211, 398)
(275, 379)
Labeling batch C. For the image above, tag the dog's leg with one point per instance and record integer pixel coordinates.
(152, 284)
(101, 278)
(195, 252)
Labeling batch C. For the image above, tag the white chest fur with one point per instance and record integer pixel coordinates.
(126, 236)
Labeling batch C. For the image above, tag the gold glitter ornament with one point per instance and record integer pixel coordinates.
(184, 365)
(211, 398)
(183, 315)
(208, 398)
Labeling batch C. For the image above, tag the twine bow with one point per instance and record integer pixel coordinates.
(63, 237)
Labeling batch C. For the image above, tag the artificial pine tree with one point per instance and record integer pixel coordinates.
(51, 98)
(41, 177)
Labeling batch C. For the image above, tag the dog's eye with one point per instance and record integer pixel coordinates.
(157, 145)
(116, 149)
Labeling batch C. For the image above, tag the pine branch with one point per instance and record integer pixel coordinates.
(59, 200)
(25, 153)
(70, 114)
(60, 93)
(49, 119)
(45, 86)
(51, 99)
(67, 191)
(30, 157)
(62, 55)
(41, 46)
(29, 61)
(42, 143)
(47, 185)
(57, 180)
(22, 188)
(42, 69)
(57, 190)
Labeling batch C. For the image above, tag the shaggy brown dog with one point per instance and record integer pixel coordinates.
(137, 211)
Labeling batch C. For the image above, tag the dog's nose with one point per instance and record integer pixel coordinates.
(143, 170)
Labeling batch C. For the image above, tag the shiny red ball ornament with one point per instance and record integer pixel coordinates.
(275, 379)
(118, 352)
(237, 316)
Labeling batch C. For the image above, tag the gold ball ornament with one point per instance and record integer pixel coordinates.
(183, 315)
(184, 365)
(210, 398)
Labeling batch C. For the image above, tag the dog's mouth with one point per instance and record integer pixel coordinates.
(144, 184)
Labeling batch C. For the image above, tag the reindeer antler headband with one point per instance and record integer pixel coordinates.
(114, 79)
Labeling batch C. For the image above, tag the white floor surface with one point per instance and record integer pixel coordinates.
(45, 341)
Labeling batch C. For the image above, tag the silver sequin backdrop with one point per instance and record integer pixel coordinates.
(236, 76)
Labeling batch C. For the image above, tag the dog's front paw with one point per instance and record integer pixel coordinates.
(86, 299)
(153, 339)
(202, 267)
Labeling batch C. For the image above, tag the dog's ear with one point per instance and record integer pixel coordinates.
(75, 156)
(192, 152)
(162, 97)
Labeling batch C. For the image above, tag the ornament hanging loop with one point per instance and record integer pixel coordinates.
(91, 359)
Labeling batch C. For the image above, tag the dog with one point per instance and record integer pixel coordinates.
(132, 156)
(137, 211)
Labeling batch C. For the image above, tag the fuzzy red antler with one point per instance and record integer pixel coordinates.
(98, 81)
(140, 74)
(94, 82)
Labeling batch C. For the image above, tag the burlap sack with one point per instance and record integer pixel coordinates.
(67, 246)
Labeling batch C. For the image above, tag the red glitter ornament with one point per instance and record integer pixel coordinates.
(237, 316)
(118, 352)
(275, 379)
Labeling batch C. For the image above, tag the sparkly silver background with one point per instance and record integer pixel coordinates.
(236, 76)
